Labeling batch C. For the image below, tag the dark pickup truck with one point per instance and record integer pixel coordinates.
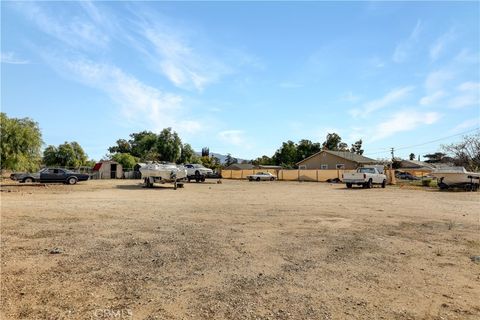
(50, 175)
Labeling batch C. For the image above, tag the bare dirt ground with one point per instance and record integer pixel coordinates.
(238, 250)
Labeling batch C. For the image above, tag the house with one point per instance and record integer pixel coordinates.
(327, 159)
(240, 166)
(416, 165)
(108, 169)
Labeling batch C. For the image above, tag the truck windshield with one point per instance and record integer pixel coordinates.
(366, 170)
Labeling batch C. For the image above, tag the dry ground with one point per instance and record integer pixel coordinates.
(238, 250)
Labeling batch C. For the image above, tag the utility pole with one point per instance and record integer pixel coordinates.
(392, 151)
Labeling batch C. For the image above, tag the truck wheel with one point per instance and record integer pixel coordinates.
(28, 180)
(369, 184)
(384, 183)
(72, 180)
(203, 179)
(349, 185)
(258, 179)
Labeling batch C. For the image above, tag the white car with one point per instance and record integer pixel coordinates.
(265, 176)
(197, 172)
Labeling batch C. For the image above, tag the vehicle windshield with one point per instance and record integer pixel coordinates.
(366, 170)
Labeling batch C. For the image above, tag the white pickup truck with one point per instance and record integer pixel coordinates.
(366, 177)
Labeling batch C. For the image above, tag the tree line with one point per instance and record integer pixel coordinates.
(21, 150)
(290, 153)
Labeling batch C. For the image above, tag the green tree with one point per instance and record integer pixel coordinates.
(286, 155)
(125, 159)
(210, 162)
(357, 147)
(169, 145)
(333, 142)
(188, 155)
(205, 152)
(142, 145)
(68, 154)
(20, 145)
(230, 160)
(123, 146)
(412, 156)
(306, 148)
(263, 160)
(434, 157)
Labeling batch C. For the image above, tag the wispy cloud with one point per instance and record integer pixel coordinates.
(467, 124)
(234, 137)
(390, 98)
(404, 48)
(402, 121)
(439, 45)
(432, 98)
(11, 58)
(77, 31)
(468, 95)
(436, 79)
(140, 104)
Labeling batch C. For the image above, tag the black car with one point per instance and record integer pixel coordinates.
(50, 175)
(406, 176)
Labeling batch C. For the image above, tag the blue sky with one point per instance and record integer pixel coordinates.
(241, 78)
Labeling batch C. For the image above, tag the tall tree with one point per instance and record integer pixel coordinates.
(466, 153)
(434, 157)
(205, 152)
(333, 142)
(230, 160)
(68, 154)
(169, 145)
(306, 148)
(412, 156)
(357, 147)
(123, 146)
(210, 162)
(286, 155)
(20, 145)
(188, 155)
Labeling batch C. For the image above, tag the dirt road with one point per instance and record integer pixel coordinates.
(238, 250)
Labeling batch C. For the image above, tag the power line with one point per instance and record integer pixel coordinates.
(424, 143)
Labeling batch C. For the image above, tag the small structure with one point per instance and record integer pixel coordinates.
(240, 166)
(328, 160)
(108, 169)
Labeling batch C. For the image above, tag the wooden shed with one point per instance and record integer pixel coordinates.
(108, 169)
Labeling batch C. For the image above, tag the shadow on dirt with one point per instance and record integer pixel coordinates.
(142, 187)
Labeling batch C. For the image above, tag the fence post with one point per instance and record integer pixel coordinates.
(317, 174)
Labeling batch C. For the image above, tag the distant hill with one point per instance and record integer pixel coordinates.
(221, 157)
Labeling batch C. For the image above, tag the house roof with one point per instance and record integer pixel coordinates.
(415, 164)
(240, 166)
(345, 155)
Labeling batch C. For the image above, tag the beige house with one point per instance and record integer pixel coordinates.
(331, 160)
(108, 169)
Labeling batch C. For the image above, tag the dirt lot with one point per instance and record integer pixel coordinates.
(238, 250)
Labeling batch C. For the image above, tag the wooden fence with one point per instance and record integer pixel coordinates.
(298, 175)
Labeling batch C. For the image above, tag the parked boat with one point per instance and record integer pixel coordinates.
(457, 177)
(163, 173)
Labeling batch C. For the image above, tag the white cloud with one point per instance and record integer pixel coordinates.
(406, 120)
(234, 137)
(140, 104)
(439, 45)
(11, 58)
(467, 124)
(467, 57)
(186, 64)
(390, 98)
(437, 79)
(468, 95)
(404, 48)
(432, 98)
(78, 31)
